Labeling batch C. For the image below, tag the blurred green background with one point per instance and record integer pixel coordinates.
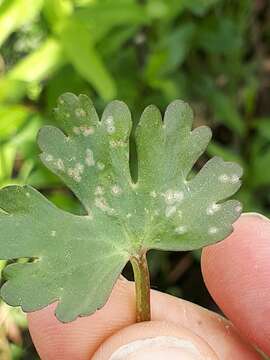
(215, 54)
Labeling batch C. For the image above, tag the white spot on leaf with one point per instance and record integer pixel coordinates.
(212, 230)
(48, 157)
(238, 208)
(234, 179)
(53, 233)
(171, 196)
(116, 190)
(224, 178)
(80, 112)
(99, 190)
(212, 209)
(170, 210)
(100, 165)
(109, 122)
(117, 143)
(153, 194)
(60, 165)
(102, 204)
(180, 230)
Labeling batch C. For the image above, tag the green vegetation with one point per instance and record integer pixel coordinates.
(212, 54)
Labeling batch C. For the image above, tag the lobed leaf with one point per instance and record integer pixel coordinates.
(76, 260)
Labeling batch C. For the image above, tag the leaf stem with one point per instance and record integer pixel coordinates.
(142, 285)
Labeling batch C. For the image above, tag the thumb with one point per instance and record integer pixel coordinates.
(154, 340)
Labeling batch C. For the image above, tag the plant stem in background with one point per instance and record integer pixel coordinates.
(142, 284)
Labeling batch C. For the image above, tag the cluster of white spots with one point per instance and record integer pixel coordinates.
(100, 165)
(212, 209)
(224, 178)
(212, 230)
(170, 210)
(172, 197)
(99, 190)
(102, 204)
(238, 208)
(117, 143)
(128, 215)
(80, 112)
(116, 190)
(89, 158)
(180, 230)
(153, 194)
(60, 165)
(48, 157)
(109, 122)
(84, 130)
(53, 233)
(146, 210)
(76, 172)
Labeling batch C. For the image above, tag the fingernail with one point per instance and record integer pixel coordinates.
(258, 215)
(158, 348)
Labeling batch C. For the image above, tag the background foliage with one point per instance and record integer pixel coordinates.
(215, 54)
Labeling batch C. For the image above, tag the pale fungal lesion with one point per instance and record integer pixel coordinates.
(100, 165)
(85, 130)
(80, 112)
(173, 196)
(212, 230)
(76, 172)
(99, 190)
(225, 178)
(238, 208)
(102, 204)
(117, 143)
(48, 157)
(53, 233)
(128, 215)
(180, 230)
(116, 190)
(27, 194)
(213, 208)
(170, 211)
(89, 158)
(60, 165)
(109, 122)
(153, 194)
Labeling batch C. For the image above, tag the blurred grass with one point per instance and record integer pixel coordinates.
(214, 54)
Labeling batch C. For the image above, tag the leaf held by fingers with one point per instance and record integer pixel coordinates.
(77, 259)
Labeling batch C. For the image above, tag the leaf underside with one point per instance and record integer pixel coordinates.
(76, 260)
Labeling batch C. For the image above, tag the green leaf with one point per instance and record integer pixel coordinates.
(80, 50)
(77, 259)
(16, 13)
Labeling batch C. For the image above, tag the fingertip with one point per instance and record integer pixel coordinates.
(154, 340)
(236, 272)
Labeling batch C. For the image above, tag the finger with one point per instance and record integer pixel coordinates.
(154, 340)
(81, 338)
(237, 274)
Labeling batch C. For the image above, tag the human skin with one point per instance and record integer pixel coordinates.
(236, 272)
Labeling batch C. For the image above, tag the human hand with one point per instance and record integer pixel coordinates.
(236, 272)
